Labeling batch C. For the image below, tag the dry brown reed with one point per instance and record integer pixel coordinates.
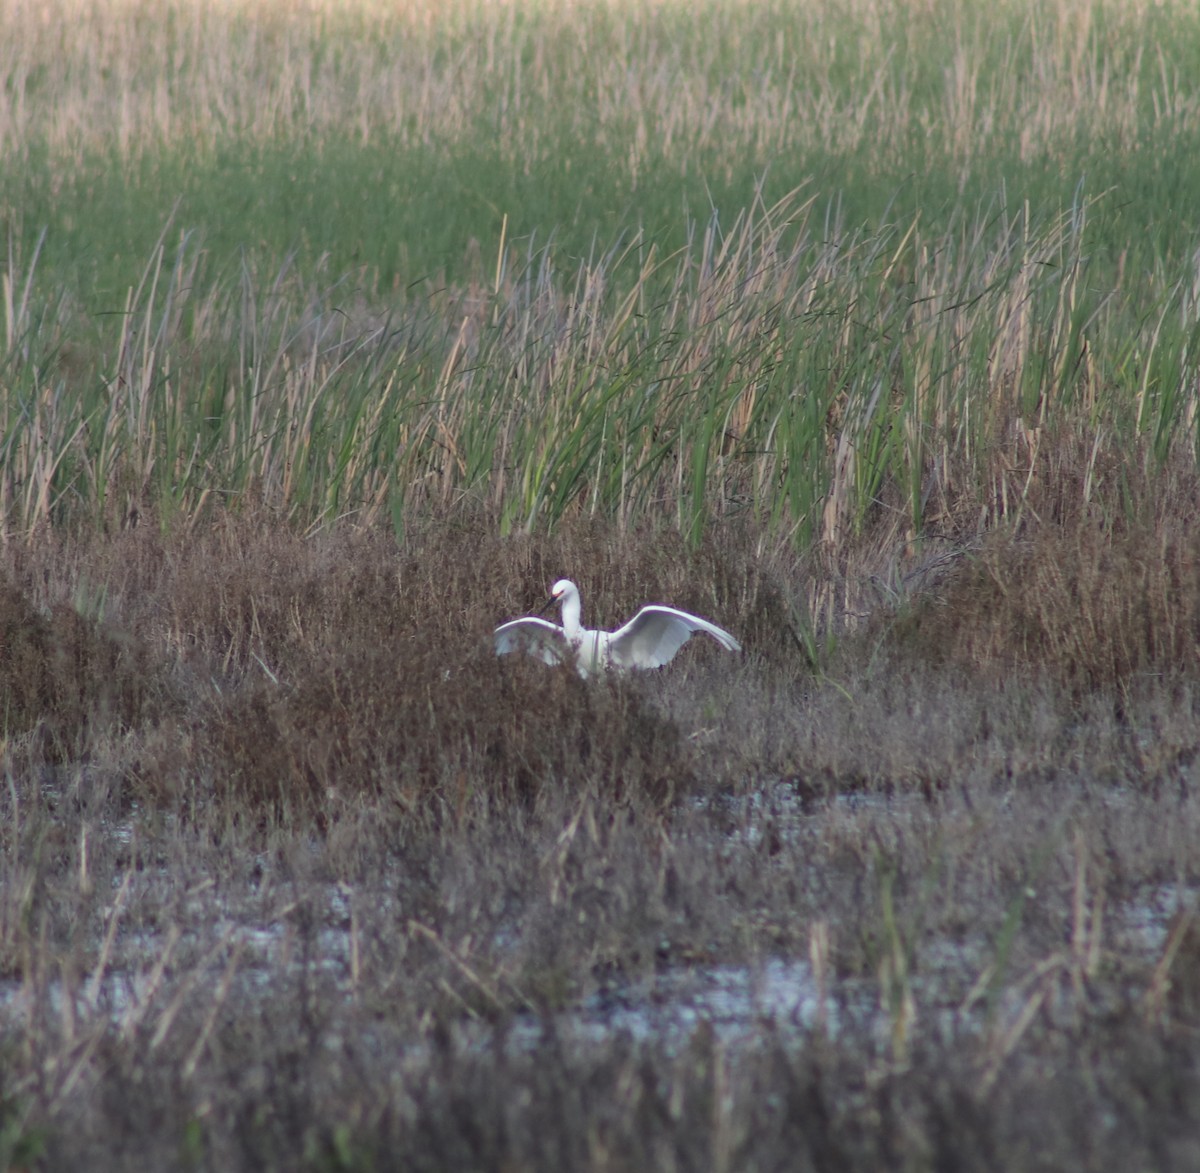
(429, 72)
(330, 837)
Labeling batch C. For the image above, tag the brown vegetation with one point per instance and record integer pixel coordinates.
(296, 873)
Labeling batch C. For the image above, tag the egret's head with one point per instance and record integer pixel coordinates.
(565, 592)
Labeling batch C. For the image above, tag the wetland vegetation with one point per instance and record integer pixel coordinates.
(333, 333)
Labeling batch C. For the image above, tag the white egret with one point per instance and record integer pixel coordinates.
(649, 640)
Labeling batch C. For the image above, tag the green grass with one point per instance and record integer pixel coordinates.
(804, 374)
(402, 150)
(403, 215)
(837, 269)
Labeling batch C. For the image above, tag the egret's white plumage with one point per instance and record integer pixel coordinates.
(649, 640)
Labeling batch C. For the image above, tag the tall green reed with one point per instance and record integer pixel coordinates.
(807, 376)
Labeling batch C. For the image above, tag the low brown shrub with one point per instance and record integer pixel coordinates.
(67, 676)
(1088, 594)
(396, 725)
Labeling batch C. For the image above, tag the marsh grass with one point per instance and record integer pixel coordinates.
(332, 334)
(390, 137)
(702, 317)
(813, 383)
(311, 894)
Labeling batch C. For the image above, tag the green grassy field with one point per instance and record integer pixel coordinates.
(333, 332)
(796, 260)
(396, 142)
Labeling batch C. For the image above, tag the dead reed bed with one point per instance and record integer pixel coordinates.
(296, 873)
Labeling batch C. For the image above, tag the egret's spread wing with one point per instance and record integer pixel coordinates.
(538, 637)
(653, 636)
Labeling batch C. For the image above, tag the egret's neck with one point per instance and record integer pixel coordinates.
(571, 611)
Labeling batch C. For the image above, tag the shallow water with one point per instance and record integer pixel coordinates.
(252, 946)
